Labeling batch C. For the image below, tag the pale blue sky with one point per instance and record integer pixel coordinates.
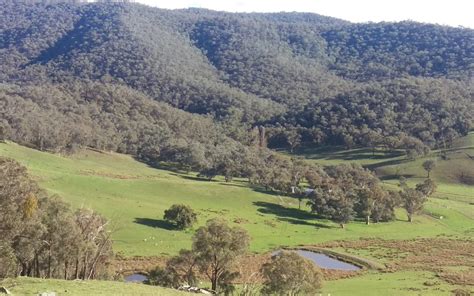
(446, 12)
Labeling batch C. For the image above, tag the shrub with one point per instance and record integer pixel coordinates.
(183, 216)
(290, 274)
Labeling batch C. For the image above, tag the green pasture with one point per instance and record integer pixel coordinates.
(34, 286)
(134, 196)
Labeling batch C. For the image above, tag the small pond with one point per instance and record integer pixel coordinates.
(325, 261)
(136, 278)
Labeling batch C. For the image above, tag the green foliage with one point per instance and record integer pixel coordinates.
(290, 274)
(346, 191)
(428, 187)
(413, 200)
(179, 270)
(90, 75)
(42, 237)
(182, 215)
(385, 50)
(429, 165)
(216, 247)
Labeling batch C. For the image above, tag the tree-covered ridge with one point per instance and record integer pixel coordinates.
(388, 50)
(108, 117)
(307, 78)
(419, 107)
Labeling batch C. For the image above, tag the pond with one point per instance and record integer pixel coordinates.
(136, 278)
(325, 261)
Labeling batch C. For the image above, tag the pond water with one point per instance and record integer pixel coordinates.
(325, 261)
(136, 278)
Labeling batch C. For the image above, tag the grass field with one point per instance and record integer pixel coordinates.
(411, 283)
(33, 286)
(134, 196)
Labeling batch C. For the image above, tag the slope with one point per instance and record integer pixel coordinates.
(134, 197)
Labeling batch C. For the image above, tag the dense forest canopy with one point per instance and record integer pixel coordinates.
(193, 86)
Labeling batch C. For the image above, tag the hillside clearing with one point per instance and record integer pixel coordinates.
(134, 196)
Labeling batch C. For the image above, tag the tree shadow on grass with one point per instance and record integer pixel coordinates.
(291, 215)
(396, 177)
(265, 191)
(234, 185)
(365, 153)
(155, 223)
(342, 153)
(304, 222)
(386, 163)
(193, 178)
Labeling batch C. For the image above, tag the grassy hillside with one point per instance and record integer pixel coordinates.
(454, 175)
(408, 283)
(33, 286)
(134, 197)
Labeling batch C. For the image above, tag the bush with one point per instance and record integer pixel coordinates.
(183, 216)
(290, 274)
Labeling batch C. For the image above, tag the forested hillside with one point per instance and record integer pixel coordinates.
(113, 76)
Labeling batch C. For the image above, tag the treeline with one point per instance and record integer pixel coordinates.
(341, 193)
(309, 79)
(42, 236)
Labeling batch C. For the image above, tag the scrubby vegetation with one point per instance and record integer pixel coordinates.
(43, 237)
(183, 216)
(90, 71)
(216, 247)
(290, 274)
(206, 102)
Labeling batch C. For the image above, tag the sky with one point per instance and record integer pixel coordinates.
(445, 12)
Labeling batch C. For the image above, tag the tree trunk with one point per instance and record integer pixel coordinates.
(410, 218)
(49, 263)
(30, 270)
(77, 267)
(214, 283)
(66, 263)
(38, 272)
(342, 225)
(94, 262)
(24, 267)
(367, 220)
(85, 267)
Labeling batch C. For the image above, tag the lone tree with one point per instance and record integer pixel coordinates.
(217, 247)
(414, 199)
(429, 165)
(428, 187)
(290, 274)
(183, 216)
